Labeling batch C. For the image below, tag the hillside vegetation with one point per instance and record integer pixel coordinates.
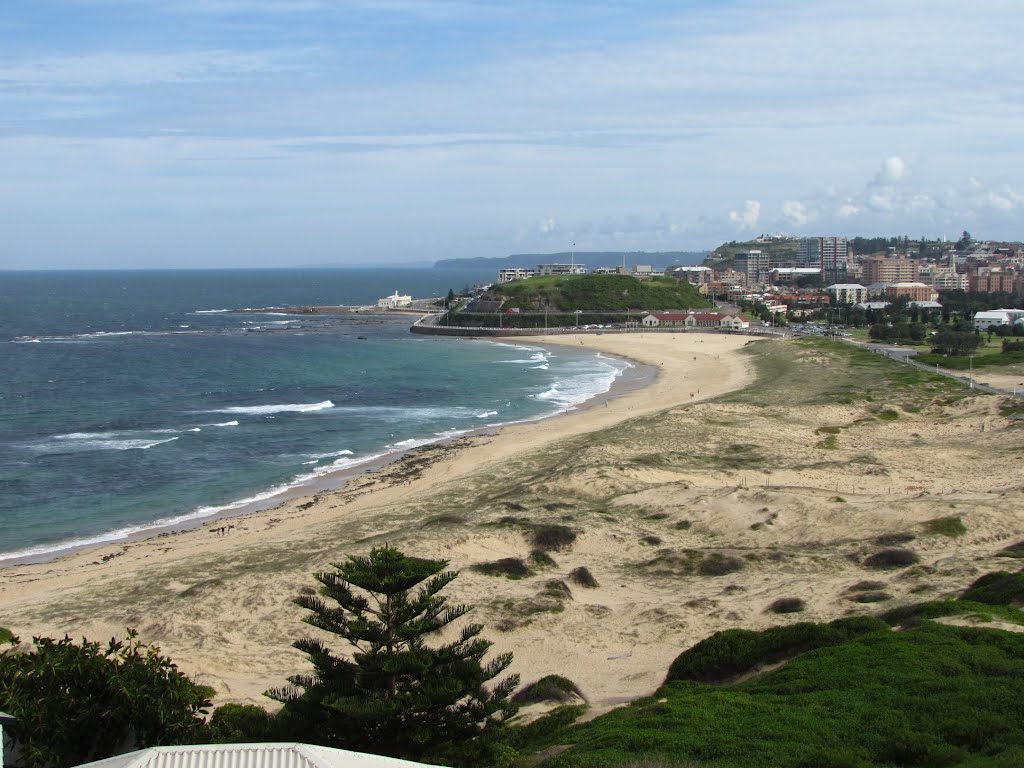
(598, 293)
(935, 695)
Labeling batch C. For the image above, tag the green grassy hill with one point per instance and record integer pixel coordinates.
(598, 293)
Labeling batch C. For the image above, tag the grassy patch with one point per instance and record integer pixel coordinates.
(952, 526)
(651, 540)
(887, 414)
(670, 562)
(830, 443)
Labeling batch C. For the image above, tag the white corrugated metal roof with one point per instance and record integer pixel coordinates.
(249, 756)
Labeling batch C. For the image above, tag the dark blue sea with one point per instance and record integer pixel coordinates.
(133, 400)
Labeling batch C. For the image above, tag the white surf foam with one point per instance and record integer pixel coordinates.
(100, 441)
(264, 410)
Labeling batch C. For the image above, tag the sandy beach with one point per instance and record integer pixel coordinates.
(692, 516)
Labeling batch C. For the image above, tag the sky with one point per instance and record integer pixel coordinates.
(263, 133)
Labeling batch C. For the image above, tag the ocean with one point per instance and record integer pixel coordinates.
(135, 400)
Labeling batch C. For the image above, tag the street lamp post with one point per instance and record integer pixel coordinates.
(578, 317)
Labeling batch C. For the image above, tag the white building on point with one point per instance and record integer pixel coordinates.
(394, 300)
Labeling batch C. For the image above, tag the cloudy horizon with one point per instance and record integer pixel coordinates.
(234, 133)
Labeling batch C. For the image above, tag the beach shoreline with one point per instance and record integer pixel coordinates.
(636, 375)
(205, 597)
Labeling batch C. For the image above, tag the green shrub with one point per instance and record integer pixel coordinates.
(1014, 550)
(866, 586)
(551, 536)
(549, 688)
(997, 588)
(717, 564)
(685, 525)
(891, 558)
(888, 414)
(542, 559)
(583, 577)
(241, 723)
(510, 567)
(786, 605)
(734, 652)
(557, 589)
(7, 637)
(914, 615)
(878, 596)
(651, 540)
(952, 526)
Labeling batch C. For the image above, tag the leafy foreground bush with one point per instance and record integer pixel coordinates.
(76, 703)
(734, 652)
(933, 696)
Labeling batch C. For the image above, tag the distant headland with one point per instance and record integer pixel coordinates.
(590, 258)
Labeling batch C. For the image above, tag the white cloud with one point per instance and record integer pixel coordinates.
(892, 171)
(747, 218)
(547, 226)
(798, 213)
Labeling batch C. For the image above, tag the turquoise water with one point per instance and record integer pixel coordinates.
(133, 400)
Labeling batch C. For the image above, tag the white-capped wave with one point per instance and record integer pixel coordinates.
(577, 388)
(210, 311)
(332, 455)
(100, 441)
(265, 410)
(223, 424)
(486, 414)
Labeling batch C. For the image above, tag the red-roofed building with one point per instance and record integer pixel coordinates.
(694, 320)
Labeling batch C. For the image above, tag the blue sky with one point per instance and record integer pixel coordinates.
(190, 133)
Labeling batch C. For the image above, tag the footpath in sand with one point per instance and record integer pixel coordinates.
(690, 516)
